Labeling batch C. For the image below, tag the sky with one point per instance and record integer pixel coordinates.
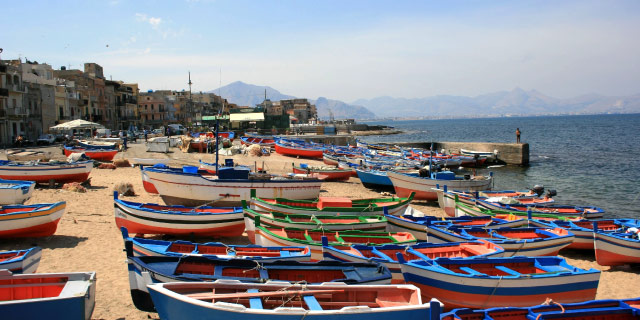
(342, 50)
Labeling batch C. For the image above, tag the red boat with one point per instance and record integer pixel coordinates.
(38, 220)
(95, 154)
(298, 149)
(264, 142)
(330, 174)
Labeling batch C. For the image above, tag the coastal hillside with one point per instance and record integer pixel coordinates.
(503, 103)
(245, 94)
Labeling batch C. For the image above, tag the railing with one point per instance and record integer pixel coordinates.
(17, 111)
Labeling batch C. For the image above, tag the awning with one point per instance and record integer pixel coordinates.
(210, 118)
(250, 116)
(77, 124)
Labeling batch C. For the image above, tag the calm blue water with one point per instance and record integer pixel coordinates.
(589, 160)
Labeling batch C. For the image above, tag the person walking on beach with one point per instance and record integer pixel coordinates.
(518, 135)
(145, 135)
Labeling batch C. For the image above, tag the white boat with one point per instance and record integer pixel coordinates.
(15, 191)
(23, 155)
(45, 172)
(149, 161)
(68, 296)
(36, 220)
(229, 188)
(405, 183)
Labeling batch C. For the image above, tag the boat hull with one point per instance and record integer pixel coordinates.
(15, 192)
(405, 184)
(616, 250)
(24, 261)
(330, 175)
(100, 155)
(299, 152)
(194, 190)
(42, 222)
(41, 173)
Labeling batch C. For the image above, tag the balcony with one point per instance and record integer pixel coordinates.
(16, 87)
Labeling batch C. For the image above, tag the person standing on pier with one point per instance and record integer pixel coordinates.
(517, 135)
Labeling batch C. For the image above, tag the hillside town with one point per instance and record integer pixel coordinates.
(35, 96)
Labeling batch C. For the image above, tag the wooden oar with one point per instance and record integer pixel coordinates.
(213, 296)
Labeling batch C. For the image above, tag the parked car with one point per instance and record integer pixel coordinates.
(46, 139)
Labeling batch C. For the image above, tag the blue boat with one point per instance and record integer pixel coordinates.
(21, 261)
(150, 247)
(279, 301)
(594, 309)
(63, 296)
(147, 270)
(495, 282)
(374, 179)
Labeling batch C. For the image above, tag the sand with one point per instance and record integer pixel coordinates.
(87, 238)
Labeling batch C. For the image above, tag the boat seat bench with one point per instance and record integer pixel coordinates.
(255, 303)
(509, 271)
(312, 303)
(471, 271)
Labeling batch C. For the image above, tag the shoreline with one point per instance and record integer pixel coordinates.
(87, 238)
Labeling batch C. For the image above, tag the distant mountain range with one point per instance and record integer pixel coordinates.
(516, 102)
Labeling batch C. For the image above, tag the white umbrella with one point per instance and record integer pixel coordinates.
(77, 124)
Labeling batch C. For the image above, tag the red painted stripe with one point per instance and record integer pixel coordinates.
(608, 258)
(149, 187)
(42, 230)
(76, 177)
(420, 195)
(227, 231)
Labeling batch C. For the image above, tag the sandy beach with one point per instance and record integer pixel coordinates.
(87, 238)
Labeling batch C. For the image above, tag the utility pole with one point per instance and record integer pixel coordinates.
(190, 101)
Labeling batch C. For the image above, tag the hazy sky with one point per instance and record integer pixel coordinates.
(339, 49)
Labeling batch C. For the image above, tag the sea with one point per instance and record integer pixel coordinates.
(590, 160)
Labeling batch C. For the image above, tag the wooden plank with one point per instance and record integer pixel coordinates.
(210, 296)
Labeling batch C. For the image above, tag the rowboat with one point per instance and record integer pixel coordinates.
(210, 168)
(35, 220)
(27, 155)
(298, 148)
(149, 161)
(264, 142)
(330, 222)
(387, 254)
(93, 144)
(151, 218)
(515, 241)
(593, 309)
(418, 224)
(332, 205)
(496, 282)
(617, 248)
(329, 173)
(21, 261)
(574, 211)
(15, 191)
(405, 183)
(462, 209)
(144, 271)
(447, 198)
(375, 179)
(47, 295)
(273, 300)
(142, 247)
(95, 154)
(583, 229)
(45, 172)
(232, 185)
(267, 236)
(481, 154)
(146, 183)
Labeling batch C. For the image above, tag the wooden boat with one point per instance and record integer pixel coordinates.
(331, 159)
(594, 309)
(476, 211)
(515, 241)
(38, 296)
(95, 154)
(583, 229)
(617, 248)
(45, 172)
(405, 183)
(142, 247)
(330, 222)
(15, 191)
(447, 198)
(144, 271)
(94, 144)
(35, 220)
(330, 174)
(146, 183)
(28, 155)
(272, 300)
(264, 142)
(151, 218)
(417, 223)
(496, 282)
(149, 161)
(21, 261)
(231, 186)
(332, 205)
(582, 212)
(297, 148)
(374, 179)
(387, 254)
(481, 154)
(210, 168)
(267, 236)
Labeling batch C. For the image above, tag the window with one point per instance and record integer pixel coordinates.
(9, 79)
(145, 107)
(16, 80)
(152, 107)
